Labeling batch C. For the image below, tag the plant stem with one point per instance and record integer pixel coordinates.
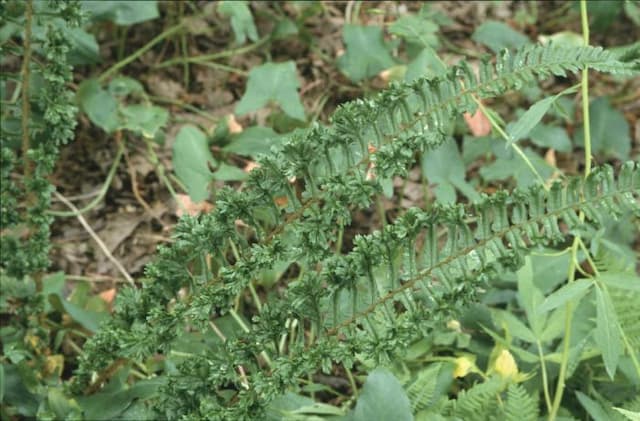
(566, 341)
(26, 105)
(103, 189)
(209, 57)
(122, 63)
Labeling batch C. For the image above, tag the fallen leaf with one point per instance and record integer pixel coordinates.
(233, 125)
(550, 157)
(250, 166)
(478, 123)
(281, 201)
(190, 207)
(108, 295)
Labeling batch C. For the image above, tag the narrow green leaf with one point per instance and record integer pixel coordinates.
(192, 160)
(595, 410)
(620, 280)
(630, 415)
(530, 298)
(517, 328)
(606, 334)
(568, 292)
(527, 121)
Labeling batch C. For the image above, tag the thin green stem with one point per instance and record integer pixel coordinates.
(506, 137)
(214, 56)
(103, 189)
(545, 381)
(122, 63)
(573, 264)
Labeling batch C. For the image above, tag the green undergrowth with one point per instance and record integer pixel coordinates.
(510, 303)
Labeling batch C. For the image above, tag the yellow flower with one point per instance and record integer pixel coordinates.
(464, 365)
(505, 364)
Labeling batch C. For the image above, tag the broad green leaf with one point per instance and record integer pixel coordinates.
(253, 141)
(63, 407)
(191, 161)
(549, 271)
(283, 405)
(84, 49)
(16, 392)
(275, 82)
(144, 119)
(87, 318)
(122, 86)
(527, 121)
(568, 292)
(620, 280)
(366, 54)
(530, 298)
(110, 403)
(122, 12)
(382, 398)
(100, 106)
(514, 166)
(426, 63)
(497, 35)
(551, 137)
(606, 334)
(563, 38)
(602, 13)
(241, 20)
(444, 167)
(595, 410)
(226, 172)
(416, 29)
(610, 132)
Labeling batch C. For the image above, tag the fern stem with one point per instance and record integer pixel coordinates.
(577, 240)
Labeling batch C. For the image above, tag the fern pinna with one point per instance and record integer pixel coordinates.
(395, 284)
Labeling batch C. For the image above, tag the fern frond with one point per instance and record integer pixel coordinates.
(520, 406)
(477, 403)
(504, 228)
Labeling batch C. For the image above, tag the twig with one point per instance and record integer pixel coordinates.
(97, 239)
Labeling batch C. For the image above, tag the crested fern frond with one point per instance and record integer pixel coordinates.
(504, 228)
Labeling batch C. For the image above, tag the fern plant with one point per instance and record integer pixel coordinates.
(38, 118)
(396, 284)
